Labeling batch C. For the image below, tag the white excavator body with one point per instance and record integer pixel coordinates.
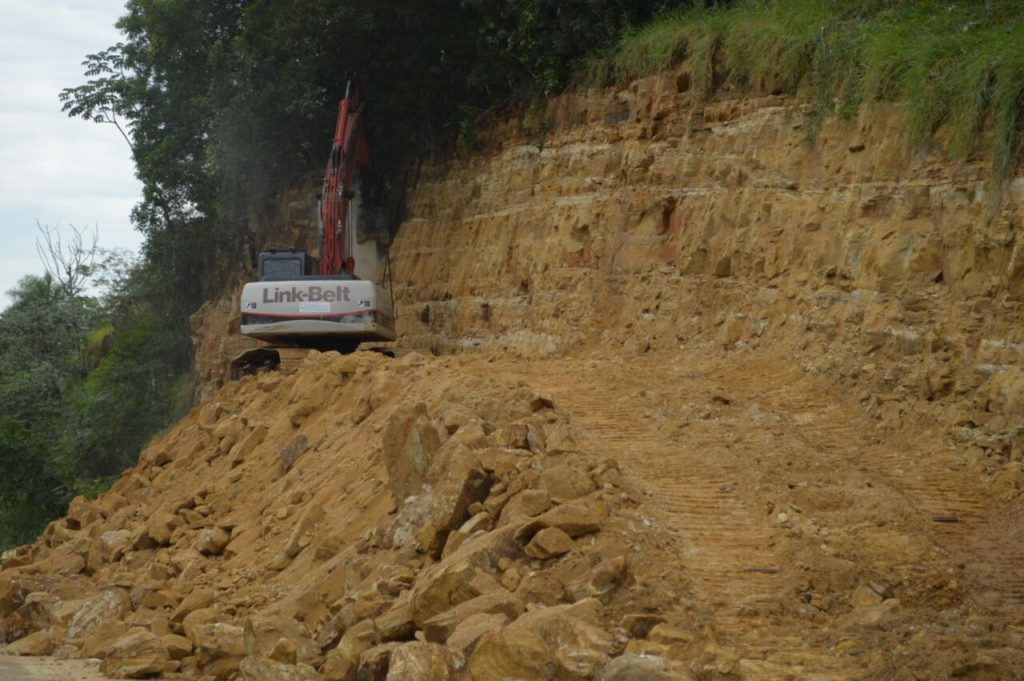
(317, 312)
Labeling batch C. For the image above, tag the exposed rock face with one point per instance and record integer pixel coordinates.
(646, 217)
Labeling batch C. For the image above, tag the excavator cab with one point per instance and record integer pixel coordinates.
(280, 265)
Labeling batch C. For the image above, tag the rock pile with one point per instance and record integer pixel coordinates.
(363, 518)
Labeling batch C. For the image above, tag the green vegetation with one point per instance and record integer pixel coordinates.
(85, 381)
(957, 65)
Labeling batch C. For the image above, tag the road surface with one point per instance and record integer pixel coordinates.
(47, 669)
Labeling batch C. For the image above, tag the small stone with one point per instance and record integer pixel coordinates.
(211, 541)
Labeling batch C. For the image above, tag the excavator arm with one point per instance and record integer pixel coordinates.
(349, 151)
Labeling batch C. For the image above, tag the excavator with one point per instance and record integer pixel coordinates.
(301, 302)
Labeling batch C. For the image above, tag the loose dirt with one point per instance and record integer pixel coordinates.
(788, 505)
(726, 515)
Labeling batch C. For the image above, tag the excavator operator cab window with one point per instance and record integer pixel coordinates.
(283, 265)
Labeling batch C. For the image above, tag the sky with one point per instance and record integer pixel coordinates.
(54, 169)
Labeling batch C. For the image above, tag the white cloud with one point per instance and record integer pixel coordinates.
(55, 169)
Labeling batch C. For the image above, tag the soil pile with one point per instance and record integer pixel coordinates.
(363, 517)
(677, 516)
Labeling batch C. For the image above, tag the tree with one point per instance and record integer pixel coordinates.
(68, 260)
(42, 333)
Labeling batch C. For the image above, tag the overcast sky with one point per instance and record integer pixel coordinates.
(55, 169)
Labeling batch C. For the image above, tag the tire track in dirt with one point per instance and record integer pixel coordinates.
(762, 415)
(983, 535)
(726, 541)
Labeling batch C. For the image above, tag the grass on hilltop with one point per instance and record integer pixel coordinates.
(958, 66)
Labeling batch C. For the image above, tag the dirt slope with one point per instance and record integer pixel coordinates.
(740, 408)
(350, 516)
(754, 464)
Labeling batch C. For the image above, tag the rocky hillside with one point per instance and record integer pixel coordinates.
(706, 402)
(359, 516)
(642, 218)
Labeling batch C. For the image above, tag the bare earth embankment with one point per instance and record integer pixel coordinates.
(707, 403)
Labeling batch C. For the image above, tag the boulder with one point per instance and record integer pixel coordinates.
(216, 639)
(100, 640)
(521, 436)
(526, 504)
(397, 624)
(12, 627)
(161, 599)
(84, 616)
(575, 519)
(136, 654)
(417, 661)
(639, 624)
(539, 587)
(409, 443)
(284, 651)
(12, 595)
(178, 647)
(668, 635)
(263, 634)
(113, 544)
(374, 662)
(519, 654)
(603, 581)
(470, 630)
(211, 541)
(340, 665)
(82, 513)
(302, 533)
(161, 526)
(291, 452)
(35, 644)
(463, 484)
(36, 609)
(342, 662)
(566, 482)
(546, 642)
(438, 628)
(223, 669)
(263, 669)
(460, 578)
(197, 600)
(550, 542)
